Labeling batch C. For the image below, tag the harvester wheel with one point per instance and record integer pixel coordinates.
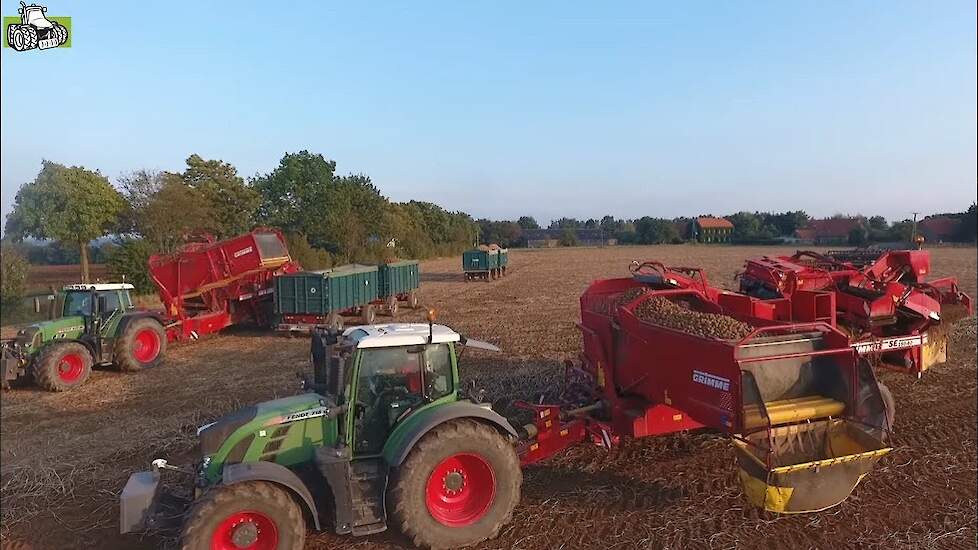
(23, 37)
(392, 306)
(251, 514)
(62, 366)
(368, 314)
(414, 299)
(458, 487)
(140, 346)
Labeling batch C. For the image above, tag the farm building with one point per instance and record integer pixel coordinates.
(831, 231)
(549, 238)
(707, 229)
(939, 229)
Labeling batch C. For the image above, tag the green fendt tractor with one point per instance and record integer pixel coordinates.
(385, 429)
(91, 324)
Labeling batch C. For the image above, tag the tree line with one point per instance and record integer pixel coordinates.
(748, 228)
(328, 218)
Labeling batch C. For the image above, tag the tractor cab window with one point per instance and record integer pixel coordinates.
(437, 371)
(108, 303)
(391, 382)
(78, 303)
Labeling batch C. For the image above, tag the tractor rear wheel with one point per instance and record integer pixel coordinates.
(252, 514)
(458, 487)
(62, 366)
(414, 299)
(140, 346)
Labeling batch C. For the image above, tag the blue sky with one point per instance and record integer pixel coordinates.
(502, 109)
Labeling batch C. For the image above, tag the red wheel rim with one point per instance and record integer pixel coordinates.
(460, 490)
(245, 530)
(146, 345)
(70, 367)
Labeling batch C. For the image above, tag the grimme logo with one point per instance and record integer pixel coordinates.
(711, 380)
(34, 29)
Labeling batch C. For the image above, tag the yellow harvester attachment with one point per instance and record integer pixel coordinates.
(806, 467)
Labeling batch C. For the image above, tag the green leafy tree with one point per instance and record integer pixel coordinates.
(568, 237)
(655, 231)
(858, 236)
(231, 203)
(968, 230)
(171, 214)
(309, 257)
(70, 205)
(527, 222)
(14, 270)
(129, 262)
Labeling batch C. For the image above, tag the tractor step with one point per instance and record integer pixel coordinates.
(359, 489)
(369, 487)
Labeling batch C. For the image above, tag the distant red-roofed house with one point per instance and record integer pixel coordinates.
(829, 231)
(805, 235)
(708, 229)
(939, 228)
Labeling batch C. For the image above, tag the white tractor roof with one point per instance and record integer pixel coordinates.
(399, 334)
(99, 286)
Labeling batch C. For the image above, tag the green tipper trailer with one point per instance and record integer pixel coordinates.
(483, 264)
(399, 282)
(311, 298)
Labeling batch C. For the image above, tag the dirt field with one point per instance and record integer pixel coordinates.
(65, 457)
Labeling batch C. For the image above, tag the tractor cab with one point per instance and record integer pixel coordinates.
(34, 15)
(383, 373)
(100, 300)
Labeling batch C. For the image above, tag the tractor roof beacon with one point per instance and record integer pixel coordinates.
(385, 426)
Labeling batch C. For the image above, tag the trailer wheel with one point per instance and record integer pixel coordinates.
(141, 345)
(368, 314)
(62, 366)
(253, 514)
(414, 299)
(392, 306)
(458, 486)
(335, 321)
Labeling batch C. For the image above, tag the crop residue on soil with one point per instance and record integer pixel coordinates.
(65, 457)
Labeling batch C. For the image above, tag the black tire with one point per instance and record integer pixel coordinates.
(62, 366)
(61, 33)
(393, 305)
(133, 350)
(27, 38)
(368, 314)
(257, 502)
(408, 497)
(890, 405)
(414, 299)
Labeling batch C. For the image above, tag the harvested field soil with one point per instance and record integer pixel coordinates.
(65, 457)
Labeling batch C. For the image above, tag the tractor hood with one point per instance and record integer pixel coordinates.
(235, 437)
(66, 327)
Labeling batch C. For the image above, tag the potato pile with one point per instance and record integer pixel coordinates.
(661, 311)
(628, 296)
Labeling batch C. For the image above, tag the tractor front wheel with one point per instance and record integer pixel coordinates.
(252, 514)
(141, 345)
(62, 366)
(458, 487)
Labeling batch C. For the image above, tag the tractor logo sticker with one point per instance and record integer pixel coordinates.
(34, 29)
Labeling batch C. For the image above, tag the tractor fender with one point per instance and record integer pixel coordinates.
(130, 317)
(274, 473)
(402, 440)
